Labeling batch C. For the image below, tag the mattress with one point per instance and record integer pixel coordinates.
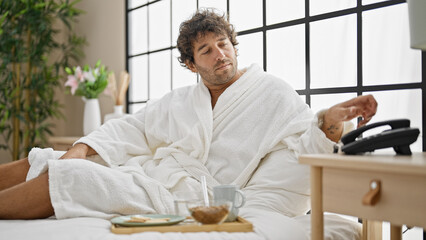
(267, 225)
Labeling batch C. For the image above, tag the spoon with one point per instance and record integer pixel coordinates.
(204, 188)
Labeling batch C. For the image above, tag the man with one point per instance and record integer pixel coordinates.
(237, 126)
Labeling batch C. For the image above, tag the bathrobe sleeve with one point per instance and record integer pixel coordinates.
(300, 128)
(118, 140)
(312, 140)
(280, 183)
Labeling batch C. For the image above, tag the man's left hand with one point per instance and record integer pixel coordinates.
(362, 106)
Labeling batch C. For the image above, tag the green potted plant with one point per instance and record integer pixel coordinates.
(29, 74)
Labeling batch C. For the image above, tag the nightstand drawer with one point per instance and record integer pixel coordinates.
(401, 198)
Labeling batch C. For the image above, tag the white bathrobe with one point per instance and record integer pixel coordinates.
(251, 138)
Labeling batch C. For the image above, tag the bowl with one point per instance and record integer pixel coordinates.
(215, 213)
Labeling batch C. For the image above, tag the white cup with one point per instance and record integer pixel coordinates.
(230, 192)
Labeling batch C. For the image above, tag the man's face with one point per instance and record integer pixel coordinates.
(215, 60)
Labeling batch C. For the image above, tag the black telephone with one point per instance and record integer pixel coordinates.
(400, 136)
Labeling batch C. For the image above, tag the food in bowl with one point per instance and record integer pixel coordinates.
(215, 213)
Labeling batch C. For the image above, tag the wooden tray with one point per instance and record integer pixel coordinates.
(240, 225)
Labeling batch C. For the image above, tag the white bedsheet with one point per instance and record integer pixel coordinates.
(93, 229)
(267, 225)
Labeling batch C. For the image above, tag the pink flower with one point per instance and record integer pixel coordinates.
(72, 82)
(79, 74)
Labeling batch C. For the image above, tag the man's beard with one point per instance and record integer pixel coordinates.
(216, 79)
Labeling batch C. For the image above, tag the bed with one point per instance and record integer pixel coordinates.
(267, 225)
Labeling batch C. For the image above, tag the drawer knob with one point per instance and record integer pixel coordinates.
(373, 194)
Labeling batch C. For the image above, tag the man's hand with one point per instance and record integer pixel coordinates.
(79, 150)
(362, 106)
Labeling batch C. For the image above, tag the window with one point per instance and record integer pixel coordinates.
(329, 51)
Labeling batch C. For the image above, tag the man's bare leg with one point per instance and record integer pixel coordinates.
(13, 173)
(28, 200)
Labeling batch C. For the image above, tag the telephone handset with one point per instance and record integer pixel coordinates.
(400, 136)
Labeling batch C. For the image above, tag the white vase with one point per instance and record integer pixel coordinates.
(118, 112)
(92, 115)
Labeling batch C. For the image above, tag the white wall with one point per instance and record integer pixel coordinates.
(103, 25)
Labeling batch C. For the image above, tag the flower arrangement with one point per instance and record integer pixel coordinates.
(87, 82)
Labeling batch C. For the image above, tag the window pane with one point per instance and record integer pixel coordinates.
(245, 16)
(281, 11)
(324, 6)
(138, 69)
(138, 31)
(135, 107)
(218, 4)
(136, 3)
(181, 75)
(159, 25)
(365, 2)
(323, 101)
(250, 50)
(181, 10)
(286, 54)
(401, 104)
(387, 56)
(333, 52)
(159, 74)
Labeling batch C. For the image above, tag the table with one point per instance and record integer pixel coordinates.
(341, 183)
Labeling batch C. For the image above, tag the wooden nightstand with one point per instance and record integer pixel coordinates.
(62, 143)
(340, 183)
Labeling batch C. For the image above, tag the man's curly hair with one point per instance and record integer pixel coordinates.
(202, 22)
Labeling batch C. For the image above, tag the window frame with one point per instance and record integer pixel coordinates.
(308, 92)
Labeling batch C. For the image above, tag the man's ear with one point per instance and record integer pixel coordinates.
(191, 66)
